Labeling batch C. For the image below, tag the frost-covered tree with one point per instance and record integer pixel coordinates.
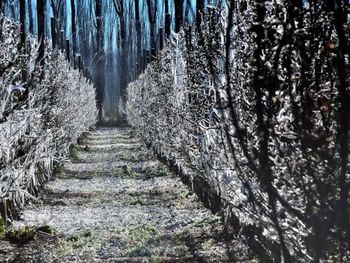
(255, 104)
(42, 112)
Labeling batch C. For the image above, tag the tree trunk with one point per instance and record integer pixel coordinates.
(152, 22)
(138, 31)
(68, 50)
(22, 45)
(124, 74)
(53, 32)
(74, 30)
(199, 13)
(61, 16)
(178, 15)
(1, 14)
(22, 13)
(153, 40)
(2, 7)
(167, 19)
(41, 30)
(100, 82)
(30, 17)
(83, 36)
(12, 10)
(161, 38)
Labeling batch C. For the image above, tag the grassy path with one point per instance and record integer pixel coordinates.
(114, 202)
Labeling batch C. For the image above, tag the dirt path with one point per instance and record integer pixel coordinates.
(114, 202)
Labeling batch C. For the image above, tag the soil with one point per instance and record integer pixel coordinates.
(113, 201)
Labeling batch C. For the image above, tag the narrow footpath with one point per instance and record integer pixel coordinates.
(113, 201)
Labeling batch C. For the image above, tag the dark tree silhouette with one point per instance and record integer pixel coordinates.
(57, 9)
(167, 19)
(30, 17)
(41, 29)
(152, 17)
(119, 7)
(199, 13)
(23, 16)
(178, 15)
(74, 30)
(138, 34)
(100, 57)
(2, 6)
